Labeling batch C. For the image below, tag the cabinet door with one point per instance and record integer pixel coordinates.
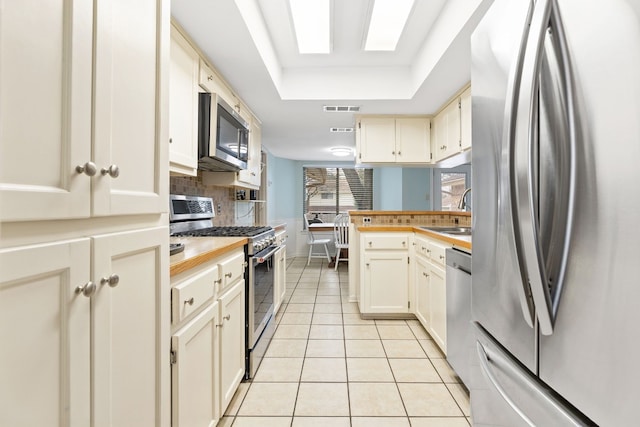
(183, 106)
(131, 106)
(386, 282)
(377, 139)
(251, 175)
(45, 124)
(447, 124)
(279, 286)
(232, 333)
(130, 327)
(438, 307)
(194, 375)
(422, 307)
(413, 141)
(45, 335)
(465, 120)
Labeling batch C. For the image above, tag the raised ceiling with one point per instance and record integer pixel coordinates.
(252, 43)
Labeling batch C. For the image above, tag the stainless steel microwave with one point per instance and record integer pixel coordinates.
(223, 135)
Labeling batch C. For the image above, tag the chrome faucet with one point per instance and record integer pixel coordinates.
(463, 205)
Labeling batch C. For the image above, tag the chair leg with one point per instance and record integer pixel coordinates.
(326, 250)
(337, 259)
(309, 258)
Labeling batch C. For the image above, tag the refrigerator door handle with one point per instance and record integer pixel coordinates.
(484, 363)
(526, 197)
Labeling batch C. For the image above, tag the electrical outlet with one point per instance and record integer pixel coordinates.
(366, 220)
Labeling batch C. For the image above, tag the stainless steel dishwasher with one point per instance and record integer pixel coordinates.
(459, 333)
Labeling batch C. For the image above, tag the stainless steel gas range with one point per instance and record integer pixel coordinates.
(193, 216)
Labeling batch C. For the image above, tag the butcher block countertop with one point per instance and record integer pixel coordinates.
(198, 250)
(462, 241)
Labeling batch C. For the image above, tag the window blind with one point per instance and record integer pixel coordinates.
(330, 191)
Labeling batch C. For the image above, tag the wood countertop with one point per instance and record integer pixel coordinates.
(198, 250)
(462, 241)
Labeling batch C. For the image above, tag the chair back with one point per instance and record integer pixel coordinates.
(341, 230)
(310, 237)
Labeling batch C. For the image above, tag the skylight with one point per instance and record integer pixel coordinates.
(311, 22)
(387, 22)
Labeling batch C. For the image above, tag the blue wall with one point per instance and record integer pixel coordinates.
(395, 188)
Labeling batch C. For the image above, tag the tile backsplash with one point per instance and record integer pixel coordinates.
(223, 197)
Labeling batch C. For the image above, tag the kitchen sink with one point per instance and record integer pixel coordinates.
(460, 231)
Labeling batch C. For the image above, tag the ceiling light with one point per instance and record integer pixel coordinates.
(341, 151)
(388, 19)
(311, 23)
(341, 108)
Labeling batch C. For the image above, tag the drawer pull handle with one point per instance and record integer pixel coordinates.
(441, 257)
(228, 274)
(189, 301)
(217, 281)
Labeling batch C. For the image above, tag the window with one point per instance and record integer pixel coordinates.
(329, 191)
(449, 185)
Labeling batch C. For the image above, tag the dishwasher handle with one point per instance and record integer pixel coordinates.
(459, 260)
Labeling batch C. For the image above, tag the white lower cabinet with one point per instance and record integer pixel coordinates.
(86, 326)
(280, 284)
(421, 294)
(208, 340)
(195, 390)
(232, 343)
(385, 273)
(430, 292)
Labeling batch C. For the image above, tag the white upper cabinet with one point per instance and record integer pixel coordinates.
(403, 140)
(130, 108)
(465, 120)
(251, 175)
(73, 145)
(452, 127)
(183, 106)
(45, 124)
(447, 131)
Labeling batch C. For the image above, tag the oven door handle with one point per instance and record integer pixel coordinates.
(262, 258)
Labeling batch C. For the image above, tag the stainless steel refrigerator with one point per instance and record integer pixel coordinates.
(556, 213)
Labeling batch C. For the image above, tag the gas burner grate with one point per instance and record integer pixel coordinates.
(231, 231)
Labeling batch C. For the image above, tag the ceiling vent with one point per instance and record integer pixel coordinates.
(341, 108)
(341, 130)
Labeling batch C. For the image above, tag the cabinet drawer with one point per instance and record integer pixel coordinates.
(422, 247)
(436, 252)
(385, 242)
(190, 295)
(231, 269)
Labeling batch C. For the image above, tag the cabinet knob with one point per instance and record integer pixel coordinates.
(428, 251)
(217, 281)
(423, 248)
(425, 274)
(228, 275)
(227, 317)
(88, 289)
(112, 280)
(88, 169)
(209, 78)
(441, 257)
(393, 153)
(399, 153)
(370, 243)
(170, 140)
(189, 301)
(113, 171)
(404, 243)
(444, 147)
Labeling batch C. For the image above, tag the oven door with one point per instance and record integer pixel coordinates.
(260, 301)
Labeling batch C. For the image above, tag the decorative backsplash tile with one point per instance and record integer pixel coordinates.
(431, 218)
(223, 197)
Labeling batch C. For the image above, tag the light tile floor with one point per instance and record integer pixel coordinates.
(327, 367)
